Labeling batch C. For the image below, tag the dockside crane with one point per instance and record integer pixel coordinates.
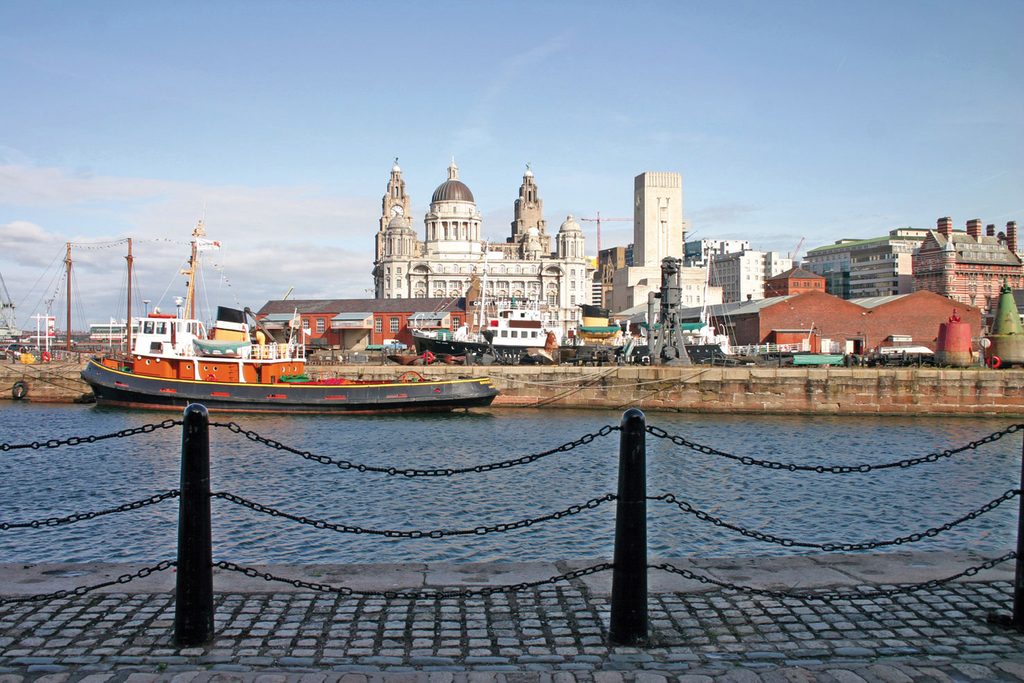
(600, 220)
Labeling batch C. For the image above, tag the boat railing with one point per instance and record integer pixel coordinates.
(766, 349)
(278, 351)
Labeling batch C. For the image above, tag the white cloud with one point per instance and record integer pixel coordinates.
(273, 238)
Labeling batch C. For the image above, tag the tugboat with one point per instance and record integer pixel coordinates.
(173, 362)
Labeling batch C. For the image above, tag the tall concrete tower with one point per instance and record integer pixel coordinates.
(658, 227)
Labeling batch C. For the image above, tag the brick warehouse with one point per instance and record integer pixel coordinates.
(856, 326)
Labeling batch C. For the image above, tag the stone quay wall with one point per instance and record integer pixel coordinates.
(698, 389)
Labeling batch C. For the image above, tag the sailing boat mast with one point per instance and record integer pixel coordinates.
(131, 260)
(67, 269)
(190, 272)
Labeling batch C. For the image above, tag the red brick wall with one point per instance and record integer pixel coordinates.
(918, 315)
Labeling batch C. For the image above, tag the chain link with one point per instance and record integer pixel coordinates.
(78, 440)
(833, 547)
(824, 596)
(434, 533)
(82, 590)
(82, 516)
(413, 472)
(415, 594)
(832, 469)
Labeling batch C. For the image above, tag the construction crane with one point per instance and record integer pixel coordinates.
(795, 254)
(600, 220)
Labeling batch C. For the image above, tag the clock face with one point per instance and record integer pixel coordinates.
(397, 210)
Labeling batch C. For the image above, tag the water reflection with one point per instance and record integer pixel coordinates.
(805, 506)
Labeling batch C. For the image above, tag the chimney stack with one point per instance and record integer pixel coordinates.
(974, 228)
(1011, 236)
(990, 230)
(945, 225)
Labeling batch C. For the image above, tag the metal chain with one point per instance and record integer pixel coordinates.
(77, 440)
(82, 516)
(413, 472)
(82, 590)
(434, 533)
(415, 594)
(832, 469)
(833, 547)
(830, 597)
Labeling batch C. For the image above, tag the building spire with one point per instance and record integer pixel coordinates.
(453, 170)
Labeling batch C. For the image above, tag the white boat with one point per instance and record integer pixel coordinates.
(509, 329)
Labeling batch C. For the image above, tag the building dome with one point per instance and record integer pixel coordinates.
(453, 189)
(570, 225)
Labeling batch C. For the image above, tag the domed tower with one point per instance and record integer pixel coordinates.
(570, 240)
(529, 229)
(452, 222)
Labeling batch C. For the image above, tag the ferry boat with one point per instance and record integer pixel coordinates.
(510, 329)
(175, 362)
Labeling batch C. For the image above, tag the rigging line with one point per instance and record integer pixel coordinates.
(59, 257)
(92, 246)
(170, 284)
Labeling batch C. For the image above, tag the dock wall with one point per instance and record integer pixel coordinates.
(751, 390)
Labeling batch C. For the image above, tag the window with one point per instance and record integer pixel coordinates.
(320, 325)
(394, 324)
(378, 325)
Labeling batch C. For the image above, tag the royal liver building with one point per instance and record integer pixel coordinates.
(452, 252)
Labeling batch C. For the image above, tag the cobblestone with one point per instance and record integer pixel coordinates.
(546, 634)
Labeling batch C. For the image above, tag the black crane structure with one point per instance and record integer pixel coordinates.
(669, 345)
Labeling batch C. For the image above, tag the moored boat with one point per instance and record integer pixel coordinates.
(173, 362)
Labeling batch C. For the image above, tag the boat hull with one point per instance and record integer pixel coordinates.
(117, 388)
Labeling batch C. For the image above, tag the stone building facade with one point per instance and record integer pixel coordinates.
(969, 267)
(530, 265)
(659, 231)
(878, 266)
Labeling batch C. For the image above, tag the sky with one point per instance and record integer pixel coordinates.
(277, 124)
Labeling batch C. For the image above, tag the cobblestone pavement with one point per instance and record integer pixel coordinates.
(554, 633)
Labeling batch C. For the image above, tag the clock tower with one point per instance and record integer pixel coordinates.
(395, 203)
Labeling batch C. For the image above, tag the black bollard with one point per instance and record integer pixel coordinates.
(1018, 579)
(629, 577)
(193, 609)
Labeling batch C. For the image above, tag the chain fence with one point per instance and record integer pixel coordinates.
(424, 594)
(432, 533)
(82, 590)
(413, 472)
(830, 596)
(660, 433)
(83, 516)
(834, 547)
(79, 440)
(441, 533)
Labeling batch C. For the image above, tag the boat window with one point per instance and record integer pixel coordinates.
(515, 334)
(147, 327)
(161, 328)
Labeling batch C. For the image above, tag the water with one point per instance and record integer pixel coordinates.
(37, 484)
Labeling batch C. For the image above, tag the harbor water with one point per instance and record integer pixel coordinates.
(805, 506)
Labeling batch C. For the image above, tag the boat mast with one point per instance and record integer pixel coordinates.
(131, 260)
(190, 272)
(67, 269)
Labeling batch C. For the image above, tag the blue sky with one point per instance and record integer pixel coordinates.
(279, 122)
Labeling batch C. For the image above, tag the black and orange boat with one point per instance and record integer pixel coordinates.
(174, 362)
